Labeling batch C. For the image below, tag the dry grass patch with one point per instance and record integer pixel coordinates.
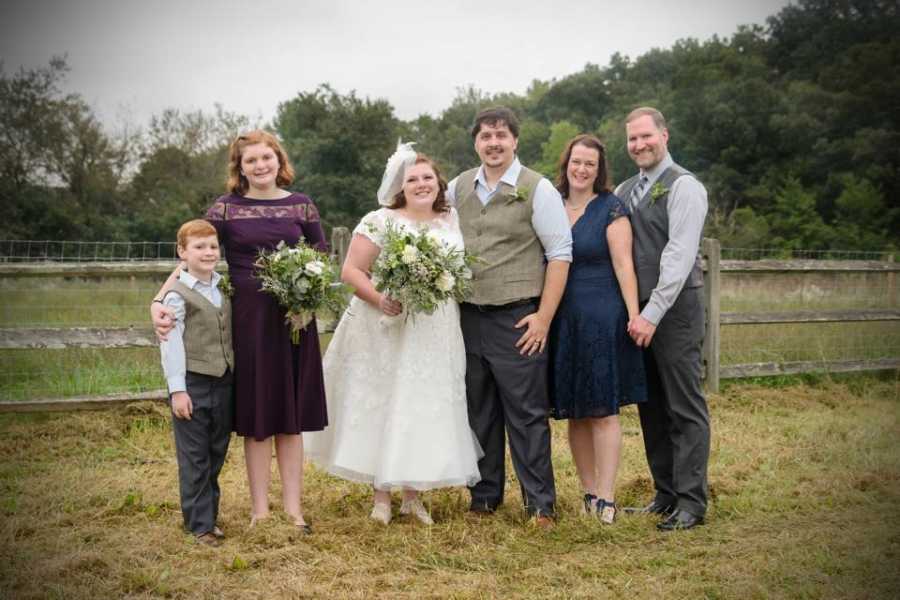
(805, 481)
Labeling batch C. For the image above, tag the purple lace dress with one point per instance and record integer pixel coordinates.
(278, 386)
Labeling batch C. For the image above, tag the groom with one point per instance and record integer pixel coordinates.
(513, 219)
(668, 209)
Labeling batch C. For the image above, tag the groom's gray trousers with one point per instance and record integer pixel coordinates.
(507, 394)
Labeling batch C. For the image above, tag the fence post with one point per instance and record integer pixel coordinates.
(712, 285)
(340, 242)
(892, 284)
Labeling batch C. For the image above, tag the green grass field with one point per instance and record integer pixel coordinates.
(804, 481)
(76, 302)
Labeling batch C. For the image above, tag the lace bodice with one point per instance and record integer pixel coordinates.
(446, 226)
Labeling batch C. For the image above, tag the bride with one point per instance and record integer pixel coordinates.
(396, 391)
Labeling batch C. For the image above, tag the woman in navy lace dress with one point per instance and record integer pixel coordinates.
(595, 366)
(279, 388)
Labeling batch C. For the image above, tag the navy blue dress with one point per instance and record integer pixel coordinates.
(595, 367)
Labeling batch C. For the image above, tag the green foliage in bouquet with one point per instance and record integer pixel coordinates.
(305, 281)
(420, 270)
(225, 286)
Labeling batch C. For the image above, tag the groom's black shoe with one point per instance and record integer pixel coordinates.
(654, 508)
(680, 519)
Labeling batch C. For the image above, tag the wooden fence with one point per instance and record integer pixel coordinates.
(714, 266)
(122, 337)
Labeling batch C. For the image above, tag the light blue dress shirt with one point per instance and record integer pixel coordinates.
(174, 362)
(548, 216)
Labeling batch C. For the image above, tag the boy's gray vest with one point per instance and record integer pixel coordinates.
(500, 234)
(207, 333)
(650, 222)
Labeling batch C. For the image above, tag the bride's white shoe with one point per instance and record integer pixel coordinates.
(414, 507)
(381, 512)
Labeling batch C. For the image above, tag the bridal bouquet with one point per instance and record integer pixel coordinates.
(305, 282)
(420, 270)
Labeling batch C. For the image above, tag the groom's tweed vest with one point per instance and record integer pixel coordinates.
(500, 234)
(650, 222)
(207, 333)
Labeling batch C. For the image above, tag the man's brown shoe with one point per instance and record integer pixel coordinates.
(543, 522)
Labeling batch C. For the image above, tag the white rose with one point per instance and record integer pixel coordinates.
(302, 285)
(314, 267)
(445, 282)
(410, 254)
(434, 238)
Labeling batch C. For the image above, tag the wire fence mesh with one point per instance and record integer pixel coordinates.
(83, 251)
(803, 254)
(811, 291)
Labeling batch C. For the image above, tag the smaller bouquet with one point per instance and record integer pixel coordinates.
(305, 282)
(420, 271)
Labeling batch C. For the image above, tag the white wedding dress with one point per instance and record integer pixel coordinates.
(396, 393)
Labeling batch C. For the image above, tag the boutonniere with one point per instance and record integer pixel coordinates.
(657, 191)
(225, 286)
(519, 195)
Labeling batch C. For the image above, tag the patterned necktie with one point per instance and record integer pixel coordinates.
(638, 192)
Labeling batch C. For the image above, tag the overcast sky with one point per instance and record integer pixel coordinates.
(130, 59)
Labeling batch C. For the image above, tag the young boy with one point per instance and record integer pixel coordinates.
(197, 360)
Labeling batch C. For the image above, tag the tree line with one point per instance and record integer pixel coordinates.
(792, 125)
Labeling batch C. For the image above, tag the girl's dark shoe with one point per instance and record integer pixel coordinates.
(589, 504)
(606, 511)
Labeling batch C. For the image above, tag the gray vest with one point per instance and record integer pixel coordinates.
(650, 222)
(207, 333)
(501, 235)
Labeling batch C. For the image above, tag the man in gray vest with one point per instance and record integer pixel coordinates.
(514, 220)
(668, 210)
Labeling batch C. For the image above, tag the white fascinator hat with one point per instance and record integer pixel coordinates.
(392, 181)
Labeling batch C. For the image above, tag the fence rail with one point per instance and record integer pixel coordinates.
(807, 366)
(79, 251)
(52, 338)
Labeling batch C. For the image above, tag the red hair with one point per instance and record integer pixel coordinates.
(237, 183)
(194, 229)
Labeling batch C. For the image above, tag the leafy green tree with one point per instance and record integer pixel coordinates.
(183, 169)
(740, 228)
(583, 99)
(560, 134)
(60, 173)
(338, 145)
(794, 223)
(863, 218)
(533, 134)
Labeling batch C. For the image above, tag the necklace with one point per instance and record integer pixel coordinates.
(575, 208)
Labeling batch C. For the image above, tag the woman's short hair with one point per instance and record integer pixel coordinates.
(602, 183)
(440, 204)
(194, 229)
(237, 183)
